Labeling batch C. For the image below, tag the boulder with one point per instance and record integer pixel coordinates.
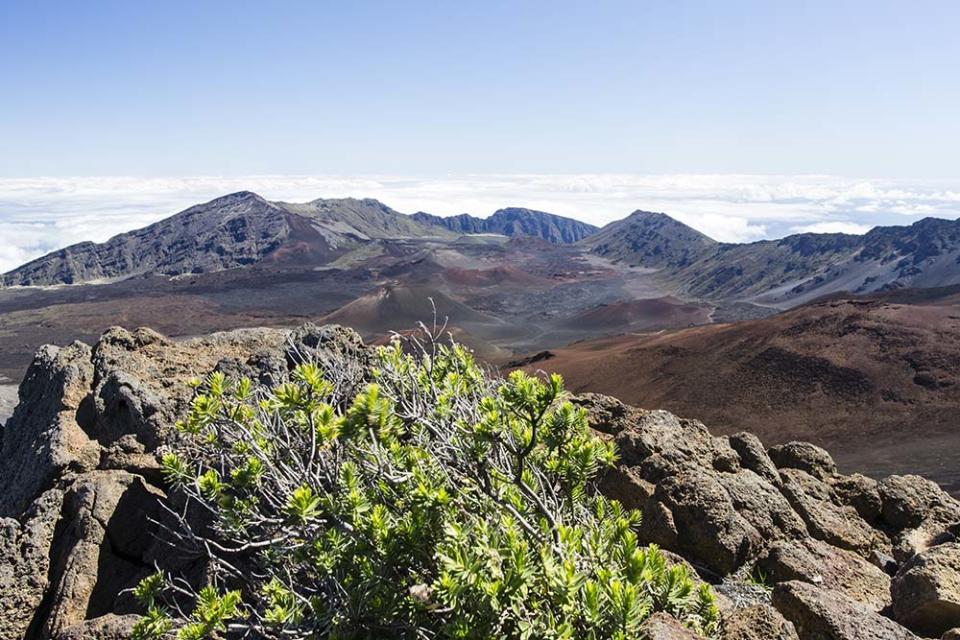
(804, 456)
(757, 622)
(43, 439)
(762, 505)
(339, 352)
(907, 501)
(699, 521)
(754, 457)
(662, 444)
(263, 368)
(926, 590)
(953, 634)
(663, 626)
(624, 484)
(606, 414)
(829, 567)
(861, 493)
(821, 614)
(839, 525)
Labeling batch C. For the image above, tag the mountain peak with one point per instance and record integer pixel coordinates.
(650, 239)
(238, 196)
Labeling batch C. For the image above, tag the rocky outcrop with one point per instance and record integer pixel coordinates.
(926, 590)
(80, 486)
(44, 438)
(821, 614)
(816, 562)
(790, 518)
(81, 490)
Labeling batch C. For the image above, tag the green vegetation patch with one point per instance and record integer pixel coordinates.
(438, 502)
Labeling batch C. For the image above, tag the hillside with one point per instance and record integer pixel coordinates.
(237, 230)
(863, 376)
(514, 222)
(789, 271)
(652, 240)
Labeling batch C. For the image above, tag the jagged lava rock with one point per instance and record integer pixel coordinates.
(754, 457)
(25, 564)
(106, 523)
(43, 440)
(829, 567)
(826, 519)
(926, 590)
(820, 614)
(804, 456)
(606, 414)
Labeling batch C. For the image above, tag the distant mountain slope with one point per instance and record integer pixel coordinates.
(850, 371)
(789, 271)
(801, 268)
(650, 240)
(514, 221)
(232, 231)
(243, 229)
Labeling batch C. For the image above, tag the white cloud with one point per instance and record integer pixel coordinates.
(840, 226)
(42, 214)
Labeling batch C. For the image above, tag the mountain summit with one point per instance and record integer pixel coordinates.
(650, 239)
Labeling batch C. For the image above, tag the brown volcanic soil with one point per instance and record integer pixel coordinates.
(653, 313)
(864, 377)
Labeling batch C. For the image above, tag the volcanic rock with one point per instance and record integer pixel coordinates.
(821, 614)
(829, 567)
(926, 590)
(757, 622)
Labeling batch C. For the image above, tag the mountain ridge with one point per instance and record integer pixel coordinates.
(516, 221)
(245, 230)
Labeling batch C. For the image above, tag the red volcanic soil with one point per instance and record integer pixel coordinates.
(855, 375)
(399, 307)
(654, 313)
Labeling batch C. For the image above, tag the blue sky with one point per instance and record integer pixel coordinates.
(232, 88)
(746, 120)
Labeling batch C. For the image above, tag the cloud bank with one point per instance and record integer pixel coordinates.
(38, 215)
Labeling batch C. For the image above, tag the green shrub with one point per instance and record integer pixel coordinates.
(439, 502)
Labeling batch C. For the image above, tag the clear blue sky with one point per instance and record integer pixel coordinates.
(233, 88)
